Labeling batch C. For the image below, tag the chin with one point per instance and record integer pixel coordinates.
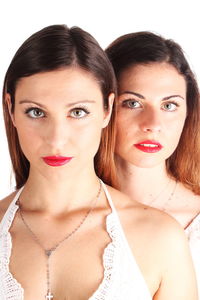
(141, 161)
(146, 163)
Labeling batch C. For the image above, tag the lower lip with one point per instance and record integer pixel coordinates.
(148, 149)
(57, 162)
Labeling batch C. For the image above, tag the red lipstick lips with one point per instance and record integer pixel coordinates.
(56, 161)
(149, 146)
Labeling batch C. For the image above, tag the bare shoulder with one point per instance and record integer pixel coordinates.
(4, 203)
(146, 222)
(159, 246)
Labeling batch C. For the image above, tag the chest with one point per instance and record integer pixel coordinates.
(75, 267)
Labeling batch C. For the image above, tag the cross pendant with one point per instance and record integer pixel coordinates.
(49, 296)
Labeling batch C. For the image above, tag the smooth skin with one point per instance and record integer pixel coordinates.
(152, 106)
(61, 113)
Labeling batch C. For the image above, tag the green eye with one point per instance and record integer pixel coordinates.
(79, 113)
(35, 113)
(170, 106)
(131, 104)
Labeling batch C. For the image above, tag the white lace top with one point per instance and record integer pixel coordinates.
(193, 233)
(122, 277)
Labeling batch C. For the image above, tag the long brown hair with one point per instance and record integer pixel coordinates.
(145, 48)
(52, 48)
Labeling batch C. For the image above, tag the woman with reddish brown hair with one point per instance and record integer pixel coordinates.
(157, 149)
(64, 234)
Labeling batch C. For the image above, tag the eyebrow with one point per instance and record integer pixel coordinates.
(68, 105)
(142, 97)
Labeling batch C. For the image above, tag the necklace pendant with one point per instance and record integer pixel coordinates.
(49, 296)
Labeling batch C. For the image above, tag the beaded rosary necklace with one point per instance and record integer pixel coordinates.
(48, 252)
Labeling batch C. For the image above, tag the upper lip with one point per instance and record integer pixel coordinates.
(149, 142)
(57, 157)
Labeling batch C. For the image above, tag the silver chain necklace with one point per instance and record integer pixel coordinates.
(164, 208)
(167, 200)
(48, 252)
(160, 193)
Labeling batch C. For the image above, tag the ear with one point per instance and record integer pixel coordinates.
(9, 104)
(108, 111)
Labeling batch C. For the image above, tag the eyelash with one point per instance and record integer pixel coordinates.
(126, 102)
(83, 108)
(31, 109)
(172, 102)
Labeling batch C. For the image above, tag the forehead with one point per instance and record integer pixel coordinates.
(68, 83)
(154, 76)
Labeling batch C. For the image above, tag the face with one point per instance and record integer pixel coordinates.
(151, 113)
(59, 117)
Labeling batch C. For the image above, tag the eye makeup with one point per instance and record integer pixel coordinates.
(76, 112)
(34, 113)
(83, 112)
(131, 103)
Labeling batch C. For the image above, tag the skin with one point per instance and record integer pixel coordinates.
(152, 106)
(54, 200)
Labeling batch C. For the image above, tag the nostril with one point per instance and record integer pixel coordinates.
(151, 125)
(151, 129)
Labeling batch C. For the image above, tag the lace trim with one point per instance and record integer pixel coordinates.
(122, 277)
(193, 230)
(113, 262)
(13, 289)
(8, 217)
(9, 285)
(193, 234)
(109, 261)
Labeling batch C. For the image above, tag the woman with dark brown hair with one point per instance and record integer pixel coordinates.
(158, 129)
(64, 234)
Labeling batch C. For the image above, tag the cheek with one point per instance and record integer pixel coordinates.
(174, 134)
(176, 127)
(126, 126)
(86, 138)
(91, 137)
(123, 138)
(121, 133)
(28, 138)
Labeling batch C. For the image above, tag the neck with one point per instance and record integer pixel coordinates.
(53, 195)
(142, 184)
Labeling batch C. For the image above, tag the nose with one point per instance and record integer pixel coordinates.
(151, 121)
(56, 134)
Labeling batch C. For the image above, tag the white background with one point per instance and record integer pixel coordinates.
(105, 20)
